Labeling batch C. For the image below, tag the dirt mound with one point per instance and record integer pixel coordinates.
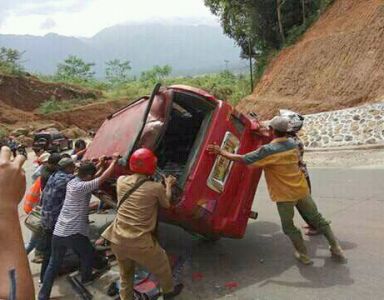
(13, 116)
(27, 92)
(338, 63)
(88, 117)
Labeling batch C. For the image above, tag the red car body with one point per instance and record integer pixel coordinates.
(212, 197)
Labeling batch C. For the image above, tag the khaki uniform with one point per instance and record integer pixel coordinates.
(132, 234)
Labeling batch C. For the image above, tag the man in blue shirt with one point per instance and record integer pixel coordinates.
(52, 201)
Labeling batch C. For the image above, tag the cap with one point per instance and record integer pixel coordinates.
(279, 124)
(43, 158)
(65, 162)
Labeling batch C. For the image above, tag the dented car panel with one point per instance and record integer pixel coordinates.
(213, 196)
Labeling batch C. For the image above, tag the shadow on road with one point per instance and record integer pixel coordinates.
(329, 274)
(216, 269)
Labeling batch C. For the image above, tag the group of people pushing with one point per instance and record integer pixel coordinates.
(66, 196)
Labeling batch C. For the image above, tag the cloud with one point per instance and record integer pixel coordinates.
(48, 24)
(48, 7)
(39, 7)
(20, 8)
(30, 16)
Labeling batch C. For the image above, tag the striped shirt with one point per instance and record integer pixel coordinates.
(280, 162)
(73, 218)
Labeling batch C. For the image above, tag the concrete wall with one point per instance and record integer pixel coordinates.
(362, 125)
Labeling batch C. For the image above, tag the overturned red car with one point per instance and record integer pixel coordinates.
(213, 197)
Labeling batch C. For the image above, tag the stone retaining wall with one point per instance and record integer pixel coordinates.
(355, 126)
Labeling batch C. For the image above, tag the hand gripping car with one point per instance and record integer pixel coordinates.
(213, 197)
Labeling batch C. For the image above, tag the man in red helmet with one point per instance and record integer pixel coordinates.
(132, 232)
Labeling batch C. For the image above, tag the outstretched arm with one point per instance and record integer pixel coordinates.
(107, 173)
(13, 255)
(215, 149)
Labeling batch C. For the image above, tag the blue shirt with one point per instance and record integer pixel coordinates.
(53, 197)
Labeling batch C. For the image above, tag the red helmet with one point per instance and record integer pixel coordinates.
(143, 161)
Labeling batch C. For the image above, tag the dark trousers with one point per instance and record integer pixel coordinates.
(81, 246)
(46, 241)
(33, 242)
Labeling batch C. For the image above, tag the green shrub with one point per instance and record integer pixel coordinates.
(52, 105)
(3, 133)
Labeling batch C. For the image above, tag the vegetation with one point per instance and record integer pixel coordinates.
(53, 105)
(224, 85)
(117, 72)
(10, 61)
(262, 27)
(75, 70)
(156, 74)
(3, 133)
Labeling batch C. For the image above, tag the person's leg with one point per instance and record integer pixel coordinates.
(309, 209)
(286, 213)
(83, 248)
(40, 246)
(127, 272)
(47, 241)
(58, 251)
(32, 243)
(155, 260)
(310, 229)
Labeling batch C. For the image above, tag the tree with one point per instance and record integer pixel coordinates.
(279, 4)
(75, 69)
(10, 60)
(117, 71)
(260, 27)
(156, 74)
(303, 10)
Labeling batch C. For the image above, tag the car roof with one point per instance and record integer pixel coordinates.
(197, 91)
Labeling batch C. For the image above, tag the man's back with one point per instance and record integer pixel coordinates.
(53, 197)
(73, 218)
(137, 216)
(280, 162)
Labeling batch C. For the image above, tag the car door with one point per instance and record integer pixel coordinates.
(140, 124)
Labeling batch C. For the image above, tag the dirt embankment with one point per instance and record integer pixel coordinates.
(20, 96)
(27, 93)
(338, 63)
(89, 116)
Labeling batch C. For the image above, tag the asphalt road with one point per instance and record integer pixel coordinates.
(261, 265)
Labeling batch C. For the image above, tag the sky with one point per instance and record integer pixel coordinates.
(87, 17)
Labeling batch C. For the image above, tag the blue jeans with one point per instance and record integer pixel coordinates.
(33, 242)
(81, 246)
(46, 240)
